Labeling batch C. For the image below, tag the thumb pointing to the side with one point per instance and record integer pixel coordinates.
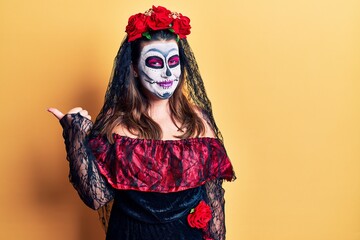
(59, 115)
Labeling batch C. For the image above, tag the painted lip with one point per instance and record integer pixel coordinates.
(165, 84)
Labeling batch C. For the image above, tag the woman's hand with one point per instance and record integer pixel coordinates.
(59, 115)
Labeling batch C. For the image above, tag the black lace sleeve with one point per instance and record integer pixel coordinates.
(215, 199)
(84, 176)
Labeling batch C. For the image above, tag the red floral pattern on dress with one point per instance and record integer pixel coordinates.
(160, 165)
(200, 216)
(99, 149)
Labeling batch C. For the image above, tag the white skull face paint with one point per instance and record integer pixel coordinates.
(159, 68)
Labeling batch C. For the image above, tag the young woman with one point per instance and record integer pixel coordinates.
(154, 149)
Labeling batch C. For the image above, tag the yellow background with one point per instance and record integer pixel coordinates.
(283, 77)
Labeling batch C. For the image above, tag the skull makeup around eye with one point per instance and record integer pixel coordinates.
(159, 68)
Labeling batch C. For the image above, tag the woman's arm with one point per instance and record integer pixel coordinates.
(215, 199)
(214, 194)
(84, 175)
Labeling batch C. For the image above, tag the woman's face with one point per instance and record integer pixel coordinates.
(159, 67)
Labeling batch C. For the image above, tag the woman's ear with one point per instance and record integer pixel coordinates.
(134, 70)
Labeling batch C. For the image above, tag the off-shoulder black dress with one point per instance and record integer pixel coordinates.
(155, 184)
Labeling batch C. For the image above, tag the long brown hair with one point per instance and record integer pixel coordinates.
(131, 111)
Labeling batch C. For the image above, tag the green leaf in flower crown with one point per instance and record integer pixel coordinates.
(171, 30)
(192, 210)
(147, 35)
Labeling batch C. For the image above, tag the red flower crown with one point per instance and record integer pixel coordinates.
(157, 18)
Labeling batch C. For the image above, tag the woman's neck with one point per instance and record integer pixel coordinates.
(159, 108)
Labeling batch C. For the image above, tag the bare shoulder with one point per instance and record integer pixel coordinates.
(208, 130)
(123, 131)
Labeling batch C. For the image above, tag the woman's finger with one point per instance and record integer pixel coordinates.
(85, 113)
(75, 110)
(58, 114)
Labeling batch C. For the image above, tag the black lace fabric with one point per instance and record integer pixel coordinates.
(195, 86)
(215, 199)
(84, 176)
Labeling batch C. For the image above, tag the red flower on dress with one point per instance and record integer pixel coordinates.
(200, 216)
(157, 18)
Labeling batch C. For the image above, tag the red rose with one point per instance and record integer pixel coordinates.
(200, 217)
(159, 18)
(136, 26)
(182, 26)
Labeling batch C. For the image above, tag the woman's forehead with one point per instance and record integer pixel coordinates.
(163, 47)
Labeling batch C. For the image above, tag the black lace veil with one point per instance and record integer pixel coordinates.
(122, 72)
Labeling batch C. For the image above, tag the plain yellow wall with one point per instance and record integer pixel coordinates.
(283, 77)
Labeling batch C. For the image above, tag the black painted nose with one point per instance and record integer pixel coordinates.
(168, 73)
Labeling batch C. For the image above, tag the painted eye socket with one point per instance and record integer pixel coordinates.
(154, 62)
(174, 61)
